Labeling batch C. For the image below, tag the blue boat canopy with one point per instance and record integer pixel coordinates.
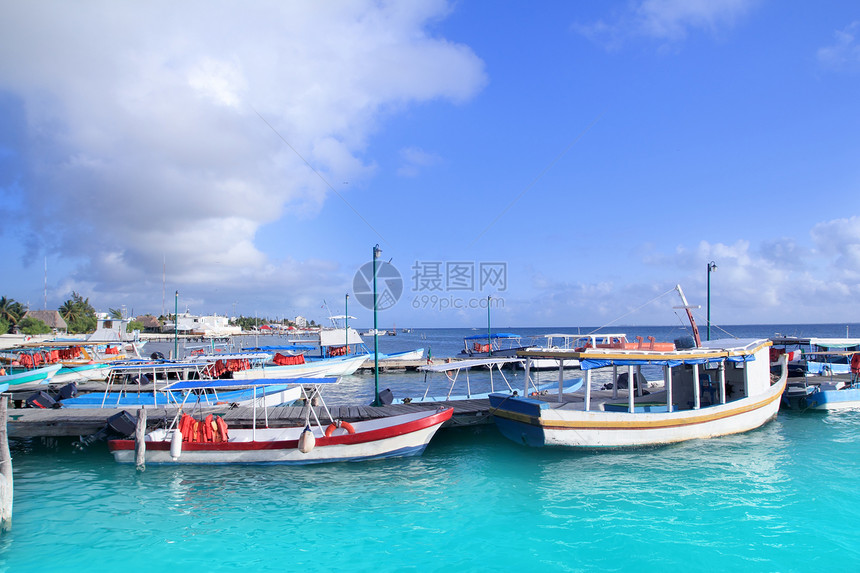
(496, 335)
(228, 383)
(591, 363)
(275, 348)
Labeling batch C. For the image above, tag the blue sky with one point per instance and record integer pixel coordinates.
(595, 153)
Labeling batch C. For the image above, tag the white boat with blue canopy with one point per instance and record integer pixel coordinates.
(497, 344)
(150, 385)
(489, 372)
(716, 388)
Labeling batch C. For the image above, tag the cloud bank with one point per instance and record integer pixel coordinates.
(139, 139)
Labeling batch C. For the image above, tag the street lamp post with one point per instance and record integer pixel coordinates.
(376, 252)
(346, 323)
(489, 336)
(176, 327)
(712, 266)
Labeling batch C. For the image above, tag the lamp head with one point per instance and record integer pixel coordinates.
(712, 266)
(376, 251)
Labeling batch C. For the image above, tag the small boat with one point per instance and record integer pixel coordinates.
(336, 366)
(816, 356)
(573, 343)
(416, 354)
(16, 376)
(159, 384)
(500, 344)
(210, 441)
(378, 332)
(833, 392)
(716, 388)
(454, 370)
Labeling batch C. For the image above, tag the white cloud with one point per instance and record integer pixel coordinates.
(142, 127)
(777, 280)
(665, 20)
(414, 160)
(845, 52)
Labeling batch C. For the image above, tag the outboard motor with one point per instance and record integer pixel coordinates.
(386, 397)
(119, 425)
(685, 343)
(42, 399)
(156, 356)
(70, 390)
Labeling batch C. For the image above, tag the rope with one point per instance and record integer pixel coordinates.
(632, 311)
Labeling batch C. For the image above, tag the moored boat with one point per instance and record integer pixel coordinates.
(209, 441)
(41, 375)
(717, 388)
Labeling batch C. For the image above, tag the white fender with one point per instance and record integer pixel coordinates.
(176, 444)
(307, 441)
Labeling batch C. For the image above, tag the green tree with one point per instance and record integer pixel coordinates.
(115, 313)
(4, 325)
(11, 311)
(79, 314)
(30, 325)
(134, 325)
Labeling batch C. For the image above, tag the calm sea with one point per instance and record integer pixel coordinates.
(782, 498)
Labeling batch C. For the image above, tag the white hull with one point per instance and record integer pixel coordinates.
(621, 429)
(315, 369)
(394, 436)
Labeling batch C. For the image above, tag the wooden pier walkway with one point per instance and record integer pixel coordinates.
(75, 422)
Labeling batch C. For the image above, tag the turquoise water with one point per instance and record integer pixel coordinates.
(782, 498)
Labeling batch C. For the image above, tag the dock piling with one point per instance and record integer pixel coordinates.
(139, 440)
(5, 471)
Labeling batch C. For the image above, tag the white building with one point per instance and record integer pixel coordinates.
(211, 325)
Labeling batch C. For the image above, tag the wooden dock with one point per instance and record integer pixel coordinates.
(77, 422)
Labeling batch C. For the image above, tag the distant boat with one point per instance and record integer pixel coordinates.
(378, 332)
(500, 344)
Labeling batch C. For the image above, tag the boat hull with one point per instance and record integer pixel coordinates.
(535, 423)
(314, 369)
(395, 436)
(36, 376)
(845, 399)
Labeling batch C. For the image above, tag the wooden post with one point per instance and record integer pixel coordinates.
(5, 471)
(139, 440)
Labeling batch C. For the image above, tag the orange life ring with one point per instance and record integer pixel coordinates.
(335, 425)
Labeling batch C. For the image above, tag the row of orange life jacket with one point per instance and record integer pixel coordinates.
(213, 429)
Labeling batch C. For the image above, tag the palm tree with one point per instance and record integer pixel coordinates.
(11, 310)
(115, 313)
(71, 311)
(79, 314)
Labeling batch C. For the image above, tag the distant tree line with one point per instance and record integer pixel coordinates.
(80, 317)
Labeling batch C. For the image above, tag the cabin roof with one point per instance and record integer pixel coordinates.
(50, 317)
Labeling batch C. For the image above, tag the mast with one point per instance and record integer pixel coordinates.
(687, 307)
